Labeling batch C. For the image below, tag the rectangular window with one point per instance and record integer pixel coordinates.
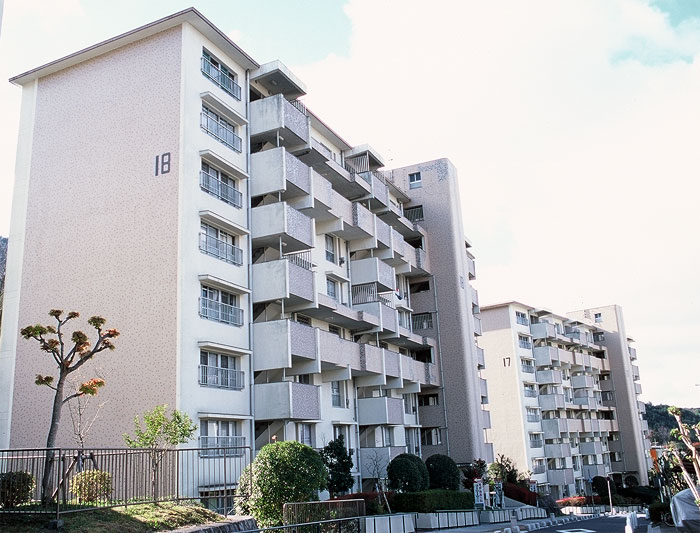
(220, 244)
(430, 436)
(598, 337)
(219, 128)
(332, 288)
(409, 405)
(428, 399)
(388, 436)
(304, 378)
(524, 342)
(220, 74)
(521, 318)
(536, 440)
(422, 321)
(217, 434)
(303, 319)
(527, 366)
(220, 185)
(533, 415)
(598, 317)
(330, 248)
(220, 306)
(304, 434)
(529, 390)
(414, 214)
(218, 370)
(415, 181)
(338, 393)
(335, 330)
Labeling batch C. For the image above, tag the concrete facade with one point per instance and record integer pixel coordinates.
(264, 273)
(551, 379)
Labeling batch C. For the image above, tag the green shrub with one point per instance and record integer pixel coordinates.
(282, 472)
(443, 472)
(403, 475)
(374, 501)
(644, 494)
(422, 470)
(92, 485)
(656, 509)
(600, 486)
(429, 501)
(16, 488)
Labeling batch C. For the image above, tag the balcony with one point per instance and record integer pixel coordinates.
(278, 171)
(554, 427)
(422, 321)
(637, 388)
(422, 264)
(274, 118)
(543, 330)
(221, 78)
(582, 382)
(287, 400)
(591, 471)
(635, 372)
(277, 222)
(221, 131)
(609, 426)
(557, 450)
(480, 357)
(527, 369)
(379, 192)
(591, 448)
(340, 352)
(283, 344)
(223, 191)
(224, 378)
(486, 417)
(477, 325)
(289, 279)
(224, 446)
(373, 271)
(641, 407)
(471, 265)
(483, 387)
(536, 443)
(550, 356)
(223, 250)
(380, 411)
(548, 377)
(219, 312)
(551, 402)
(563, 476)
(633, 353)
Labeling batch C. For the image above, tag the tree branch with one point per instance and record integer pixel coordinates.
(74, 395)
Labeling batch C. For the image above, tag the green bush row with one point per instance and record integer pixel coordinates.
(429, 501)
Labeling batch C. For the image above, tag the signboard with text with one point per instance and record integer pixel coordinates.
(498, 493)
(478, 494)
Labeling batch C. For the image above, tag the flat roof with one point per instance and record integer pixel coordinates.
(190, 15)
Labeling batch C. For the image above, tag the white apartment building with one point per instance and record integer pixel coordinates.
(554, 412)
(262, 270)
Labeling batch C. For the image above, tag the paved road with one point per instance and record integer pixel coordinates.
(604, 524)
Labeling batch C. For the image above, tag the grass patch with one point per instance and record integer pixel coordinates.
(132, 519)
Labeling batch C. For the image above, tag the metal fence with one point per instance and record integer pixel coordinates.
(341, 525)
(66, 480)
(303, 512)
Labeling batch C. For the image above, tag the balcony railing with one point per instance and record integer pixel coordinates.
(414, 214)
(213, 310)
(539, 469)
(220, 249)
(366, 293)
(422, 321)
(533, 418)
(301, 259)
(530, 393)
(229, 446)
(223, 191)
(536, 443)
(299, 106)
(528, 369)
(221, 132)
(226, 378)
(222, 79)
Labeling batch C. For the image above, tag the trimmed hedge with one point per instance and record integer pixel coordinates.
(404, 475)
(16, 488)
(429, 501)
(374, 503)
(422, 469)
(92, 485)
(443, 472)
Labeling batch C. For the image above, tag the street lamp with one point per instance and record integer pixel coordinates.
(607, 478)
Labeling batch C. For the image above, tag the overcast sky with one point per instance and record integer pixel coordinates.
(574, 126)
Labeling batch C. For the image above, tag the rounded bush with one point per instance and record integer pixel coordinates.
(16, 488)
(422, 470)
(282, 472)
(403, 475)
(443, 472)
(92, 485)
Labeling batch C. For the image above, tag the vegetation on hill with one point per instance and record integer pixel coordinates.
(661, 422)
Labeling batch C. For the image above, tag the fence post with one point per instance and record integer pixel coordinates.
(125, 466)
(177, 475)
(58, 501)
(225, 486)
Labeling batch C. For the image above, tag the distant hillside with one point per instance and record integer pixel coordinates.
(661, 423)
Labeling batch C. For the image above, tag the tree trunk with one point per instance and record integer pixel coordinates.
(46, 496)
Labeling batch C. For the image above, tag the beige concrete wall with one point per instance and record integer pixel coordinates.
(98, 127)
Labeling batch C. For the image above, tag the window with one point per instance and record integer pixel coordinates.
(524, 342)
(527, 366)
(409, 404)
(330, 248)
(303, 319)
(414, 181)
(598, 317)
(220, 306)
(332, 288)
(421, 286)
(536, 440)
(218, 370)
(521, 318)
(304, 434)
(335, 330)
(533, 414)
(218, 434)
(338, 394)
(220, 244)
(220, 74)
(422, 321)
(428, 399)
(388, 436)
(304, 378)
(538, 466)
(219, 128)
(220, 185)
(219, 501)
(529, 390)
(598, 337)
(430, 436)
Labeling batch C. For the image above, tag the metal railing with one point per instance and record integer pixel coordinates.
(414, 214)
(422, 321)
(386, 299)
(225, 378)
(222, 79)
(355, 524)
(231, 445)
(221, 132)
(220, 249)
(528, 369)
(539, 469)
(219, 312)
(223, 191)
(304, 512)
(364, 294)
(299, 106)
(533, 418)
(57, 481)
(301, 259)
(536, 443)
(530, 393)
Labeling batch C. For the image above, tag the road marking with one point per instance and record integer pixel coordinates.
(575, 531)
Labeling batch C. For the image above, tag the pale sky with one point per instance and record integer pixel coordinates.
(574, 126)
